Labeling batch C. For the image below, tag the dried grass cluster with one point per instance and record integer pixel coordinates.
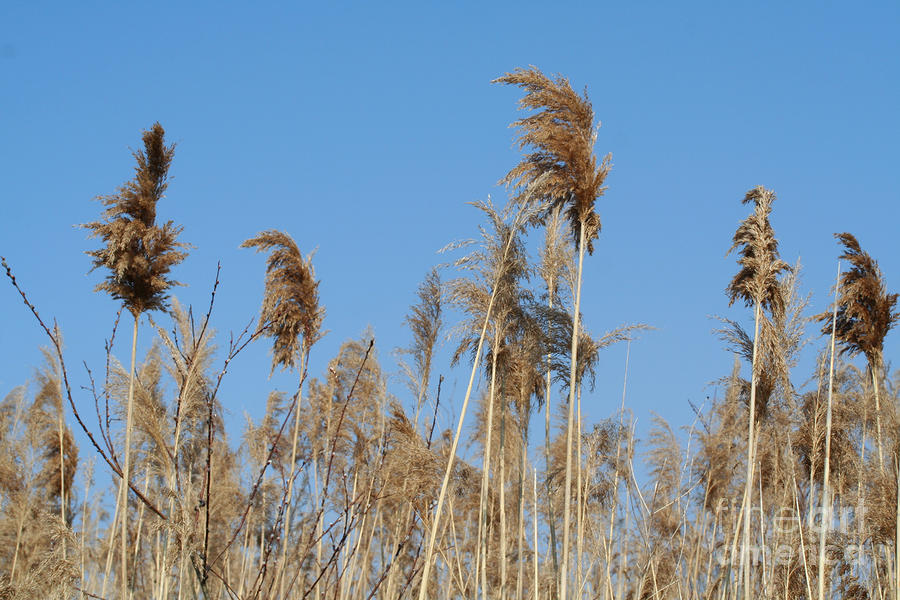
(137, 251)
(342, 490)
(290, 309)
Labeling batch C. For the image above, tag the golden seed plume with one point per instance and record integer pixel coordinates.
(425, 322)
(866, 311)
(139, 253)
(498, 266)
(562, 169)
(757, 280)
(291, 301)
(45, 412)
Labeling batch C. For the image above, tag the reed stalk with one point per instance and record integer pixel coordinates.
(826, 491)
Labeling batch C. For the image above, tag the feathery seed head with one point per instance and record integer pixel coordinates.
(425, 322)
(498, 267)
(555, 254)
(757, 280)
(291, 301)
(139, 253)
(561, 169)
(866, 311)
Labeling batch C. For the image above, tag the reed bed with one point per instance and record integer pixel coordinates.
(785, 485)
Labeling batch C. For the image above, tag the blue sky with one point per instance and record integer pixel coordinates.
(363, 130)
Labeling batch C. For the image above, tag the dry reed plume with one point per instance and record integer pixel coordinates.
(290, 306)
(138, 252)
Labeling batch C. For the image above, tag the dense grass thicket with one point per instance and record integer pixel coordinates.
(785, 486)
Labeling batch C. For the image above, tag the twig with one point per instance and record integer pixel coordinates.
(258, 482)
(58, 349)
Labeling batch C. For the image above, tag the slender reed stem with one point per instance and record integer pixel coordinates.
(748, 487)
(567, 498)
(825, 509)
(432, 535)
(126, 471)
(285, 540)
(481, 566)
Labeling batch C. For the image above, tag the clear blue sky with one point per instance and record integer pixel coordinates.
(362, 130)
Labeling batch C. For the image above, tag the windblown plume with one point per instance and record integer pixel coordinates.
(780, 341)
(424, 319)
(139, 253)
(291, 301)
(411, 469)
(523, 367)
(498, 267)
(866, 311)
(844, 457)
(45, 414)
(189, 355)
(561, 170)
(757, 280)
(556, 325)
(555, 255)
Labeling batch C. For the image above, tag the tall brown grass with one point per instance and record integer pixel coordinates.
(138, 254)
(784, 485)
(756, 283)
(561, 170)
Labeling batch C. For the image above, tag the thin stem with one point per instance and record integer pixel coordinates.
(534, 559)
(291, 476)
(62, 470)
(748, 486)
(567, 501)
(481, 566)
(551, 518)
(874, 368)
(432, 535)
(126, 471)
(825, 509)
(897, 535)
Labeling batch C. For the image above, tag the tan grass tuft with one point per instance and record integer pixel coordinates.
(757, 280)
(291, 302)
(139, 253)
(866, 311)
(561, 169)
